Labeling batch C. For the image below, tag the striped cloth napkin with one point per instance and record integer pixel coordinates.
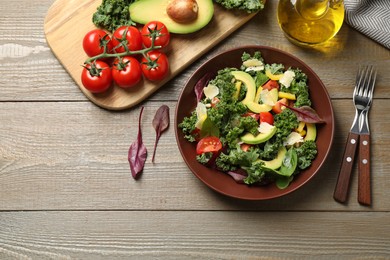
(370, 17)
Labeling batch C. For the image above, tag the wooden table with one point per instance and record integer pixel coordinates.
(66, 190)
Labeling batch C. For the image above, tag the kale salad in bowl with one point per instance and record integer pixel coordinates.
(254, 123)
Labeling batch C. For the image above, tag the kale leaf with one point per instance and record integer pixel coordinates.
(235, 159)
(307, 152)
(256, 173)
(112, 13)
(188, 127)
(249, 6)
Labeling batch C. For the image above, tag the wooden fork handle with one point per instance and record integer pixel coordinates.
(364, 186)
(344, 179)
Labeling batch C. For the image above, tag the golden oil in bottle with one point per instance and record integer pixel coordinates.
(307, 22)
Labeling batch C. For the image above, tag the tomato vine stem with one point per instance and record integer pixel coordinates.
(127, 52)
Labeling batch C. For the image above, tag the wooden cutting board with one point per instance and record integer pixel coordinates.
(67, 22)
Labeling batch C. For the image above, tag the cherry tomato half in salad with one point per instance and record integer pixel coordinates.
(128, 36)
(270, 84)
(266, 117)
(158, 30)
(94, 42)
(96, 76)
(126, 72)
(155, 66)
(208, 144)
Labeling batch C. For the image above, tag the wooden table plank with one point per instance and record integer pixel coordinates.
(194, 235)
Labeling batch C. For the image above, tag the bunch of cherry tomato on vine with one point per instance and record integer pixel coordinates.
(125, 57)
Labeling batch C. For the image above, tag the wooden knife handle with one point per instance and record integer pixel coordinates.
(364, 186)
(343, 181)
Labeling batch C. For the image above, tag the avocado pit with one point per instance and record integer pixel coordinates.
(183, 11)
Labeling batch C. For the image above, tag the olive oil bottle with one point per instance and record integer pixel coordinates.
(309, 22)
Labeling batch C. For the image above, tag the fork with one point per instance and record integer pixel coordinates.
(364, 183)
(362, 99)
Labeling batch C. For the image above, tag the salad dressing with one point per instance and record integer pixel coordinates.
(307, 22)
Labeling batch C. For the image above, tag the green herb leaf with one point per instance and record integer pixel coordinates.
(112, 13)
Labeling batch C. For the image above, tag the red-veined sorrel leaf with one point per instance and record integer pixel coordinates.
(201, 84)
(238, 175)
(306, 114)
(160, 124)
(137, 152)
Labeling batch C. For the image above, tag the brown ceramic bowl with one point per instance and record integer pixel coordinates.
(222, 182)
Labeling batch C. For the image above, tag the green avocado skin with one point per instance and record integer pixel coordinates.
(144, 11)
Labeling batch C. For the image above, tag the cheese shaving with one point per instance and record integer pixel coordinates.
(265, 128)
(211, 91)
(293, 138)
(253, 65)
(287, 78)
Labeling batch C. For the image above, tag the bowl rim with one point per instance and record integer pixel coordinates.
(283, 191)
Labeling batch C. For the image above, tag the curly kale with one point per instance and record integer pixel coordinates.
(235, 159)
(275, 68)
(257, 55)
(224, 82)
(112, 13)
(188, 127)
(256, 173)
(285, 122)
(236, 127)
(249, 6)
(204, 158)
(307, 152)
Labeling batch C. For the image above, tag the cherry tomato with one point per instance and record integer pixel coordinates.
(126, 72)
(155, 66)
(266, 117)
(208, 144)
(128, 36)
(277, 108)
(157, 29)
(96, 76)
(94, 41)
(270, 84)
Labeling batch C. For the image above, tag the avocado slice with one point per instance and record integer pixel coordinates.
(311, 132)
(144, 11)
(277, 162)
(249, 100)
(250, 84)
(249, 138)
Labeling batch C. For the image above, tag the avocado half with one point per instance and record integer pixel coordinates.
(144, 11)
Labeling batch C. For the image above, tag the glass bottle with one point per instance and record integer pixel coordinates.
(309, 22)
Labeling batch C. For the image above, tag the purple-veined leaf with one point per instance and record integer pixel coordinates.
(137, 152)
(160, 123)
(238, 175)
(306, 114)
(201, 84)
